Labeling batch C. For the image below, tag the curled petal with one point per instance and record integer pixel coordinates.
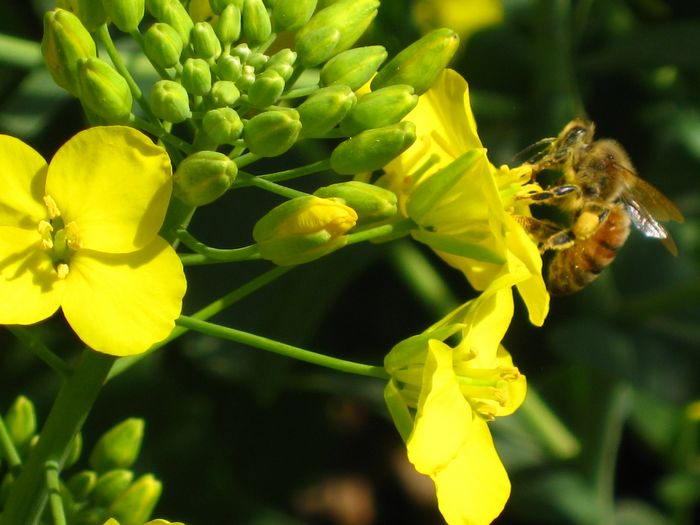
(444, 417)
(122, 304)
(115, 183)
(29, 286)
(474, 487)
(22, 180)
(517, 389)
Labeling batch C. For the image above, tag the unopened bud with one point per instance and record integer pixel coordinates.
(333, 29)
(419, 64)
(222, 125)
(173, 13)
(247, 77)
(266, 89)
(228, 26)
(283, 63)
(353, 67)
(204, 41)
(372, 149)
(241, 51)
(223, 93)
(136, 503)
(371, 202)
(81, 484)
(118, 447)
(256, 21)
(92, 14)
(218, 6)
(257, 60)
(203, 177)
(380, 108)
(110, 485)
(64, 43)
(323, 110)
(170, 102)
(162, 44)
(74, 451)
(228, 68)
(125, 14)
(303, 229)
(104, 91)
(272, 133)
(20, 421)
(290, 15)
(196, 76)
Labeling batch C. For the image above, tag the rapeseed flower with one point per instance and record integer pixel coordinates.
(81, 234)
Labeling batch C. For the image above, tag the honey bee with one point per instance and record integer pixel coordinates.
(601, 195)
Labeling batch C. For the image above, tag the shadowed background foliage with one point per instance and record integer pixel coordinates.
(239, 436)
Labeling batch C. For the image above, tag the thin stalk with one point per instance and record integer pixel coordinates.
(280, 176)
(273, 187)
(55, 500)
(19, 52)
(293, 352)
(394, 229)
(29, 494)
(7, 447)
(159, 132)
(246, 253)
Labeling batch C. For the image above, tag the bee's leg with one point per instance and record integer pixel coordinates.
(547, 234)
(589, 219)
(553, 195)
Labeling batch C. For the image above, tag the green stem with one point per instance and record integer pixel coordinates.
(246, 253)
(73, 403)
(38, 348)
(7, 447)
(19, 52)
(394, 229)
(270, 345)
(272, 187)
(55, 500)
(280, 176)
(207, 312)
(247, 158)
(106, 39)
(159, 132)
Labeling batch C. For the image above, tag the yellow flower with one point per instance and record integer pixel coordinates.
(82, 234)
(464, 16)
(464, 206)
(441, 399)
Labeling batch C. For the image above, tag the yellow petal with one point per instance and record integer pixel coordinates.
(115, 183)
(444, 417)
(487, 323)
(22, 179)
(474, 487)
(517, 390)
(29, 287)
(123, 304)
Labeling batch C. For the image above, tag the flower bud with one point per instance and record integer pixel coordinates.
(203, 177)
(247, 77)
(353, 67)
(81, 484)
(196, 76)
(290, 15)
(333, 29)
(162, 45)
(371, 202)
(222, 125)
(136, 503)
(173, 13)
(272, 133)
(323, 110)
(74, 451)
(228, 67)
(241, 51)
(372, 149)
(419, 64)
(104, 91)
(20, 421)
(256, 21)
(228, 26)
(118, 447)
(92, 14)
(170, 102)
(380, 108)
(266, 89)
(204, 41)
(125, 14)
(257, 60)
(110, 485)
(218, 6)
(223, 93)
(282, 62)
(65, 41)
(303, 229)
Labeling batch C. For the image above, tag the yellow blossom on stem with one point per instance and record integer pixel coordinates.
(441, 399)
(464, 205)
(81, 233)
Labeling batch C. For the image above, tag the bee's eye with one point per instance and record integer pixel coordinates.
(575, 135)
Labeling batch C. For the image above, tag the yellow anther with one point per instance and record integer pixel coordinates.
(52, 207)
(62, 270)
(45, 229)
(72, 235)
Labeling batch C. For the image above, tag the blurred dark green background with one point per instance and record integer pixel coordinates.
(240, 436)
